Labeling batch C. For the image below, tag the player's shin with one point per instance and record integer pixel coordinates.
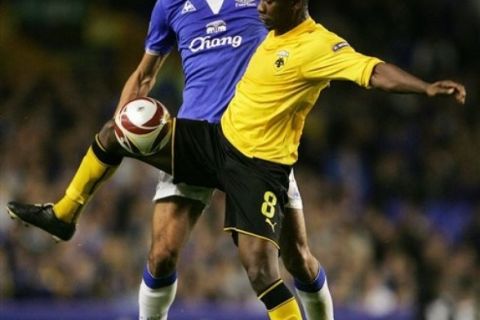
(280, 302)
(97, 166)
(315, 297)
(156, 295)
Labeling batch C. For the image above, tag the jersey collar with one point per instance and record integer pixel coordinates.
(306, 26)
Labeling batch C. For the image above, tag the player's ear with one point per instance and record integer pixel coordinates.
(298, 5)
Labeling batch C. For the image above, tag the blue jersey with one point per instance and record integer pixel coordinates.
(215, 42)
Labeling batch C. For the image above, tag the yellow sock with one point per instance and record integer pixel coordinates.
(280, 302)
(289, 310)
(91, 172)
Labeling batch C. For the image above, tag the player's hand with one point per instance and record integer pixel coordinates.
(449, 88)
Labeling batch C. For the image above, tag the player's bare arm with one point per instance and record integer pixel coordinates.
(389, 77)
(142, 80)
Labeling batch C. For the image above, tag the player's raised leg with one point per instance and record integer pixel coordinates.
(59, 219)
(98, 164)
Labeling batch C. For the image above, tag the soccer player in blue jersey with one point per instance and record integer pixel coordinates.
(215, 39)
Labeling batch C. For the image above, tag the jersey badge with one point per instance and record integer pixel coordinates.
(245, 3)
(216, 27)
(282, 57)
(188, 7)
(340, 45)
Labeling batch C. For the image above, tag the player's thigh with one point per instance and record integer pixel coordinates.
(259, 257)
(166, 188)
(294, 197)
(256, 193)
(293, 237)
(177, 209)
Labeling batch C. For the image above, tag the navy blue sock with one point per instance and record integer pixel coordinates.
(156, 283)
(314, 286)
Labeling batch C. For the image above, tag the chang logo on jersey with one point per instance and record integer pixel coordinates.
(245, 3)
(209, 42)
(216, 27)
(206, 43)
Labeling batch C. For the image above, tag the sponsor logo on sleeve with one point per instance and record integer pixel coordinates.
(340, 45)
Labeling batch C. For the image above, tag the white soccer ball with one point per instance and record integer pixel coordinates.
(143, 126)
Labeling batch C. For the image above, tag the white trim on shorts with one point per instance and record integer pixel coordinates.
(166, 188)
(294, 197)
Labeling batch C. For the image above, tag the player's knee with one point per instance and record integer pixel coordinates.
(107, 137)
(300, 263)
(261, 268)
(162, 260)
(260, 277)
(295, 257)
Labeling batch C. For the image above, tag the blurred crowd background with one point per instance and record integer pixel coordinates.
(390, 183)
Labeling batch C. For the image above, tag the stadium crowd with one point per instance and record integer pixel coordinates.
(390, 183)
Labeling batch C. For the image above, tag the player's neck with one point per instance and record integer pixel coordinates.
(297, 20)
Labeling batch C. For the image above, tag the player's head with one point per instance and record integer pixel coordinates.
(282, 15)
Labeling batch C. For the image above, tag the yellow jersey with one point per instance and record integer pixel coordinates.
(282, 82)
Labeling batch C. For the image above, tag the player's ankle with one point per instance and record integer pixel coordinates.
(67, 210)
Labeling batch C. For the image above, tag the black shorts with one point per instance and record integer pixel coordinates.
(256, 190)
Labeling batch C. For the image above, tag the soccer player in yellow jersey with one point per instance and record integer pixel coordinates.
(287, 73)
(250, 154)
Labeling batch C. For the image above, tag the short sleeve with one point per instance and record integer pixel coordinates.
(160, 38)
(336, 60)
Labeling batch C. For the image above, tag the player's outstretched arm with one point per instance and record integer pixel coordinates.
(391, 78)
(142, 80)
